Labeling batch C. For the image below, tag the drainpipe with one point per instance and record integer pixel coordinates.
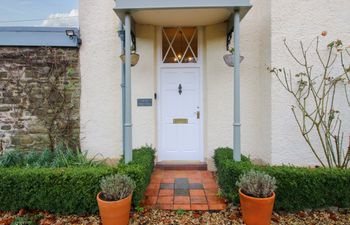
(128, 124)
(236, 86)
(121, 34)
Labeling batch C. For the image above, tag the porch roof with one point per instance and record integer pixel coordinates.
(180, 12)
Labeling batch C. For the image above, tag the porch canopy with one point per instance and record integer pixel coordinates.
(178, 13)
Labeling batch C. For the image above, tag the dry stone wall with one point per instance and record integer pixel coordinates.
(39, 97)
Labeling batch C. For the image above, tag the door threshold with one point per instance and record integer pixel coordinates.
(182, 165)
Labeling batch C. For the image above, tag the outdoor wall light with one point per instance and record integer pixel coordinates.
(71, 33)
(134, 58)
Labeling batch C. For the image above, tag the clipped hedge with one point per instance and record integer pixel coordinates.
(68, 190)
(140, 170)
(297, 188)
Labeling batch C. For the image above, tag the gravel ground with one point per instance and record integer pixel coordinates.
(150, 216)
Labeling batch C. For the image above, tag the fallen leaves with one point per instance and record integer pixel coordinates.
(231, 215)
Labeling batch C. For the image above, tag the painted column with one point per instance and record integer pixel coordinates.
(128, 124)
(236, 86)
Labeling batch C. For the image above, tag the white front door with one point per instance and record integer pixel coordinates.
(180, 126)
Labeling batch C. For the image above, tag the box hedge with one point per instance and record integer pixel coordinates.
(298, 188)
(68, 190)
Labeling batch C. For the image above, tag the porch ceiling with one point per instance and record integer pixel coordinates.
(180, 12)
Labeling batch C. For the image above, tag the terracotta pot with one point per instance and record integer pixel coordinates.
(256, 211)
(114, 212)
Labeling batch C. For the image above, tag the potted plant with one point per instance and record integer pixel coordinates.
(134, 57)
(257, 197)
(228, 58)
(114, 200)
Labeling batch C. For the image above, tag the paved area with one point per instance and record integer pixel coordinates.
(183, 189)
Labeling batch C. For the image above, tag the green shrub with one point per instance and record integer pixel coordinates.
(61, 157)
(140, 170)
(298, 188)
(69, 190)
(63, 190)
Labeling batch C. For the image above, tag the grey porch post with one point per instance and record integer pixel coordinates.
(128, 124)
(236, 86)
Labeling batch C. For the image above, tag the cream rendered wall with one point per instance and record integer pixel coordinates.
(101, 128)
(295, 21)
(100, 79)
(218, 88)
(144, 82)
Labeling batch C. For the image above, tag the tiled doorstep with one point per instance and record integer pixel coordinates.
(186, 190)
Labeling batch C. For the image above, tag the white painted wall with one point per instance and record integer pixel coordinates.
(295, 21)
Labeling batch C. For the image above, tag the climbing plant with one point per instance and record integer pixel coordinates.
(318, 89)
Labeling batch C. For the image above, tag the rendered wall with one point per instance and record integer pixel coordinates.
(100, 79)
(302, 21)
(255, 85)
(101, 107)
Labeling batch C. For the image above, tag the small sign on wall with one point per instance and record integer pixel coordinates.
(144, 102)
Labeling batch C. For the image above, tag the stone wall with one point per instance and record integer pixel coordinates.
(39, 97)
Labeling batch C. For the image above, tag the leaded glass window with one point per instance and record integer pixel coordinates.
(179, 45)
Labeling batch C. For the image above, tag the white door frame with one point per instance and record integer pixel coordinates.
(198, 65)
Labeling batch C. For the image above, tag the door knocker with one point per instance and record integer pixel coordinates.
(180, 89)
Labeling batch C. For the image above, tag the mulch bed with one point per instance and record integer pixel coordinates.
(155, 216)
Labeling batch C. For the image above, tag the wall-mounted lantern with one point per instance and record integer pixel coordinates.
(134, 58)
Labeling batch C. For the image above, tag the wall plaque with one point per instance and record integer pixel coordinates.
(144, 102)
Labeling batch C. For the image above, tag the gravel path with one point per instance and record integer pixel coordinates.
(150, 216)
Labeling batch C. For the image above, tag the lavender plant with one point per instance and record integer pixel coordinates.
(257, 184)
(116, 187)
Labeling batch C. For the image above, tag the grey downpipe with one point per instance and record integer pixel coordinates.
(236, 97)
(121, 34)
(128, 118)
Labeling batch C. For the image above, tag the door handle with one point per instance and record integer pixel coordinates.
(198, 114)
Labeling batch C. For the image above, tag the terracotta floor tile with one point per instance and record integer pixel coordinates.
(182, 206)
(150, 200)
(182, 200)
(167, 180)
(166, 192)
(167, 200)
(151, 192)
(217, 206)
(165, 206)
(208, 180)
(198, 200)
(199, 207)
(197, 193)
(154, 186)
(195, 180)
(210, 185)
(155, 180)
(207, 174)
(215, 200)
